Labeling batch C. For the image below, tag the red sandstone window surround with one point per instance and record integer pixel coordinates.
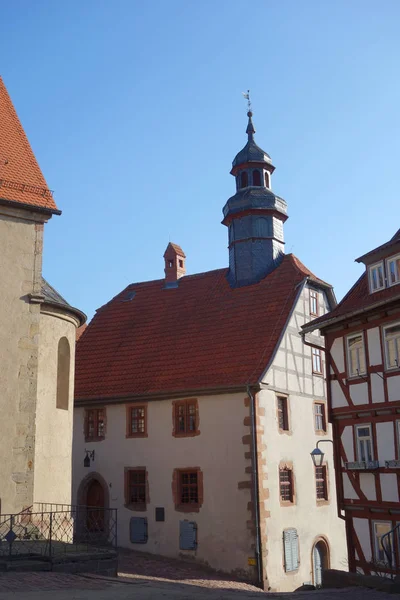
(136, 421)
(185, 415)
(95, 424)
(187, 487)
(136, 488)
(286, 485)
(321, 483)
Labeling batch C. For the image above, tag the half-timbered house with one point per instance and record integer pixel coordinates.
(362, 339)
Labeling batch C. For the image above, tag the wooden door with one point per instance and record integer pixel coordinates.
(94, 502)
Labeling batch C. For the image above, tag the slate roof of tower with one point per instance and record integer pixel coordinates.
(21, 179)
(51, 296)
(251, 152)
(201, 335)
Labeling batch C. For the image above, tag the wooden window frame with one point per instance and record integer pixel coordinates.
(286, 468)
(317, 352)
(129, 432)
(324, 479)
(137, 506)
(389, 260)
(284, 412)
(324, 420)
(176, 405)
(370, 280)
(177, 489)
(386, 353)
(358, 440)
(348, 355)
(314, 296)
(376, 548)
(97, 437)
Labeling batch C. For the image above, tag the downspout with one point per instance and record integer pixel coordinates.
(255, 487)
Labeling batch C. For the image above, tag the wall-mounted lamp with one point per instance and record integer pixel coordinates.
(317, 455)
(89, 456)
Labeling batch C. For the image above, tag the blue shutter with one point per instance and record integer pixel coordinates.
(138, 530)
(187, 535)
(291, 549)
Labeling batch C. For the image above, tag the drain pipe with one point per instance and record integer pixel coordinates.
(255, 487)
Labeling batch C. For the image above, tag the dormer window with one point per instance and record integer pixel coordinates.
(244, 180)
(376, 277)
(393, 269)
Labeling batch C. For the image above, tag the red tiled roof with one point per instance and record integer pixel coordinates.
(203, 334)
(80, 330)
(357, 299)
(21, 179)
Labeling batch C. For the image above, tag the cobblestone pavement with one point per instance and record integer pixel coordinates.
(148, 577)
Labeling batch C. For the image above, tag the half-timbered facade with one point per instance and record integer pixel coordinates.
(362, 338)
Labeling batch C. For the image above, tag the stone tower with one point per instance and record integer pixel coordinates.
(37, 332)
(254, 216)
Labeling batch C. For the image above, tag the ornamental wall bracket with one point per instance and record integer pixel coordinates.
(36, 298)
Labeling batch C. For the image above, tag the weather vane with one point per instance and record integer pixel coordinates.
(247, 96)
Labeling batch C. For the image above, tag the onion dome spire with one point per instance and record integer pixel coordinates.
(250, 127)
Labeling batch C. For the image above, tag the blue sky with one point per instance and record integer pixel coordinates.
(134, 111)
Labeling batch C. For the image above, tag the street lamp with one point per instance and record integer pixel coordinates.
(317, 455)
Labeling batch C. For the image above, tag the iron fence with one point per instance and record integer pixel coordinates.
(51, 531)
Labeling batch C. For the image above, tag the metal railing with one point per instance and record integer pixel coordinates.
(51, 531)
(389, 546)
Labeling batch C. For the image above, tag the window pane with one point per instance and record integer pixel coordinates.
(380, 529)
(191, 417)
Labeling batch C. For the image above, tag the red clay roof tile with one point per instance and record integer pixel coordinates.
(21, 179)
(201, 335)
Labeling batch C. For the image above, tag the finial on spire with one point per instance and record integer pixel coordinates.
(250, 127)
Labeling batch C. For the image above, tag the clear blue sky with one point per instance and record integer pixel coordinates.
(134, 110)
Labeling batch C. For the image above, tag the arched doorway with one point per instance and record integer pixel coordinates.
(93, 498)
(320, 559)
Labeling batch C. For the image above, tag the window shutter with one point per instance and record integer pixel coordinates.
(187, 535)
(138, 530)
(291, 549)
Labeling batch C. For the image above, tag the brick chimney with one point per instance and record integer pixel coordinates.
(174, 258)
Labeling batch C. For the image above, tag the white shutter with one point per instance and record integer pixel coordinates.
(291, 549)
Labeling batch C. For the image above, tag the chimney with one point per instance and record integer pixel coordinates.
(174, 258)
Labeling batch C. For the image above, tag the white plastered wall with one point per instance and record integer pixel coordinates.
(53, 450)
(224, 540)
(310, 520)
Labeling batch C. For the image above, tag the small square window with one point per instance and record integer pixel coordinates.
(95, 424)
(136, 421)
(356, 355)
(391, 335)
(283, 416)
(316, 361)
(393, 269)
(136, 488)
(376, 277)
(186, 418)
(364, 443)
(286, 485)
(313, 303)
(319, 417)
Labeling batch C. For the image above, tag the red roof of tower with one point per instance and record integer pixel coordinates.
(21, 179)
(202, 335)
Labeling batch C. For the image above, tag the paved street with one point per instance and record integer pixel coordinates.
(146, 577)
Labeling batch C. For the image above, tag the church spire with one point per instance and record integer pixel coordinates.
(254, 215)
(250, 127)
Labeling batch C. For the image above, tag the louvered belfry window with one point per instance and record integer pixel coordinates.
(291, 550)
